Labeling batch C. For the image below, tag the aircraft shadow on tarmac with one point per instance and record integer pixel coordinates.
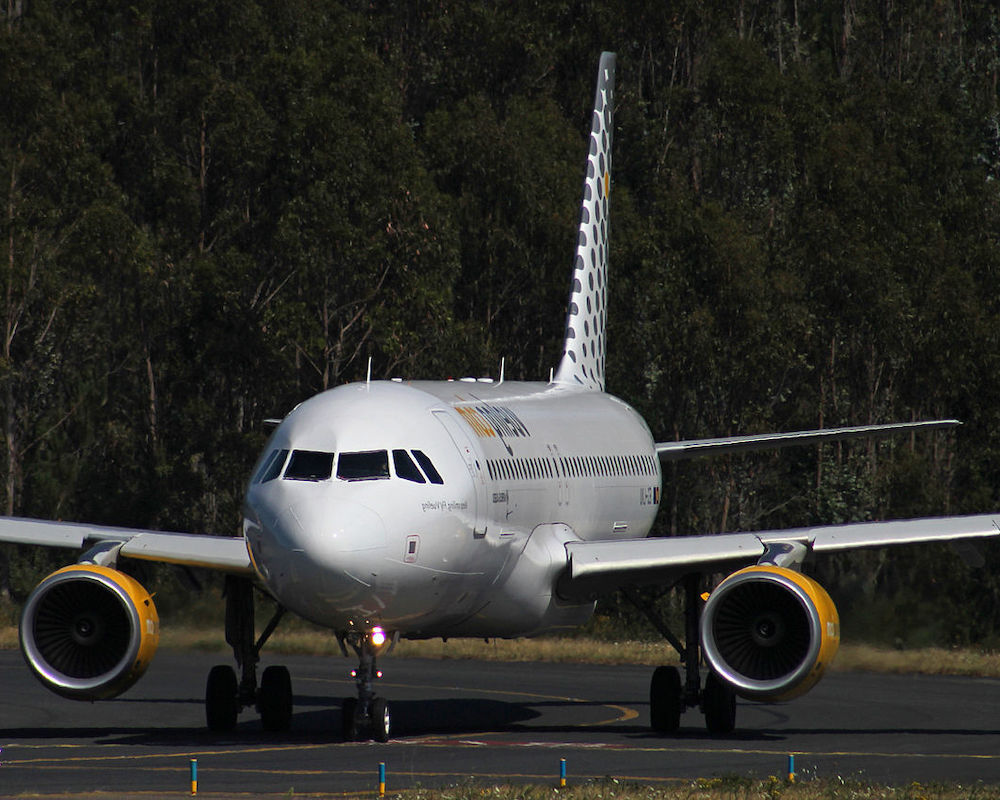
(317, 719)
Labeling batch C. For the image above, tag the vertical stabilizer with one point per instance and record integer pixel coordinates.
(584, 349)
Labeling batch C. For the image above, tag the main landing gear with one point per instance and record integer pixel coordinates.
(669, 695)
(225, 696)
(365, 716)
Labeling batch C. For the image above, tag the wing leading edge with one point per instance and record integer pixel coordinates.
(599, 566)
(225, 553)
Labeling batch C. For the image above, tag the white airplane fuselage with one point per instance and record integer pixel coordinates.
(349, 526)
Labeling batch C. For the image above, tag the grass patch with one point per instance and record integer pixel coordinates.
(303, 639)
(724, 788)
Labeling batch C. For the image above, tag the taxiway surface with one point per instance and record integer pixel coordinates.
(490, 721)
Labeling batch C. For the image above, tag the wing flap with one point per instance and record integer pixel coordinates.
(831, 538)
(225, 553)
(605, 565)
(589, 559)
(595, 567)
(44, 533)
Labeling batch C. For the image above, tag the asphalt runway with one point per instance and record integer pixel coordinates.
(491, 721)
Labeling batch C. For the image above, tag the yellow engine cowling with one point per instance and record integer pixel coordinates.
(769, 631)
(89, 632)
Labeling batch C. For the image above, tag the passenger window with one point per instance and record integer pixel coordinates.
(425, 463)
(271, 468)
(364, 466)
(405, 468)
(309, 465)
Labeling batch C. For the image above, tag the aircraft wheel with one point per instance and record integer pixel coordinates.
(719, 703)
(665, 700)
(380, 720)
(222, 703)
(275, 699)
(348, 720)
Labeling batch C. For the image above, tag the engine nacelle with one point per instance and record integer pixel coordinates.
(89, 632)
(769, 631)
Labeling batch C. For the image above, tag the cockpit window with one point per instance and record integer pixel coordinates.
(405, 468)
(271, 468)
(363, 466)
(309, 465)
(433, 475)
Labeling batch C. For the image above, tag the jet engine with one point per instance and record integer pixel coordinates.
(89, 632)
(770, 632)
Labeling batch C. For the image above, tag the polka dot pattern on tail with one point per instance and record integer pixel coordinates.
(584, 348)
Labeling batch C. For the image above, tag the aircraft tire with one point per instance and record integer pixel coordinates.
(380, 720)
(275, 699)
(222, 703)
(348, 720)
(665, 700)
(719, 703)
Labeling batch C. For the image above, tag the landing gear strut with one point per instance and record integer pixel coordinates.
(669, 696)
(225, 696)
(365, 716)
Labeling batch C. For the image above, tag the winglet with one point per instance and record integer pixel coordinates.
(584, 347)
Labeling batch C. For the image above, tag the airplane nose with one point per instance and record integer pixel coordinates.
(321, 557)
(333, 529)
(344, 527)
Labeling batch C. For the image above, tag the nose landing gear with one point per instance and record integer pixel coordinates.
(365, 716)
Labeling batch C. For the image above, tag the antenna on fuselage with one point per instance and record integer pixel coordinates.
(368, 379)
(502, 363)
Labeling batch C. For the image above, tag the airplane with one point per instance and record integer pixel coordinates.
(468, 508)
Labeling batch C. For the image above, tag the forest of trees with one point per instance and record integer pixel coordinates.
(211, 211)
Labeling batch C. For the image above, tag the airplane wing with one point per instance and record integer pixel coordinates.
(693, 448)
(598, 566)
(224, 553)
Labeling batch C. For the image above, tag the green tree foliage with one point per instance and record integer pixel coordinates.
(210, 212)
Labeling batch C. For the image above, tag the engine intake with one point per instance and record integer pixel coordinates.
(770, 632)
(89, 632)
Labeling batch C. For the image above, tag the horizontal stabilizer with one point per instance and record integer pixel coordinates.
(694, 448)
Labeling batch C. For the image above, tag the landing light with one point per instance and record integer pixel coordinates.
(378, 637)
